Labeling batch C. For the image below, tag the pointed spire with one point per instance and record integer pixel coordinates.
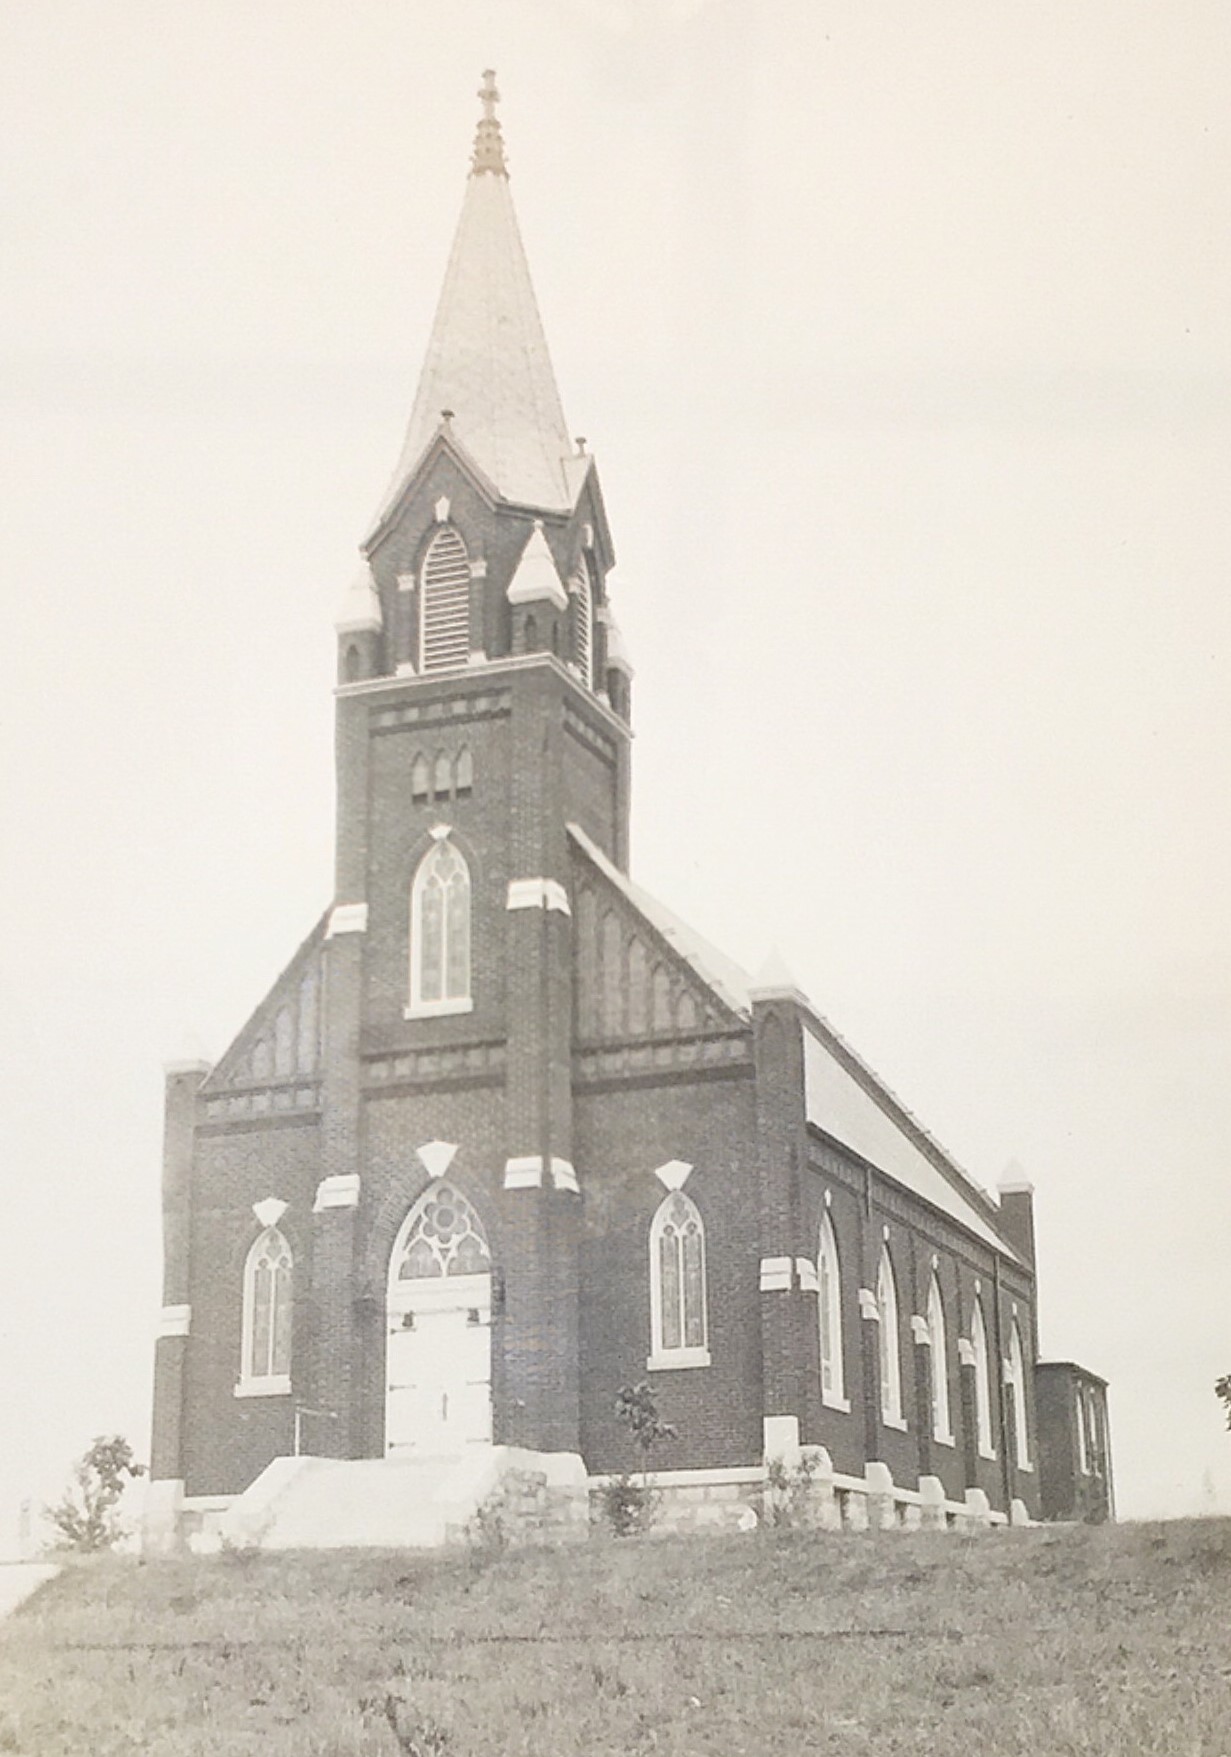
(487, 361)
(488, 140)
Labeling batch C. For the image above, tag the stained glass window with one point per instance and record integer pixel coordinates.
(941, 1429)
(830, 1302)
(677, 1270)
(890, 1363)
(267, 1308)
(443, 1237)
(983, 1380)
(440, 929)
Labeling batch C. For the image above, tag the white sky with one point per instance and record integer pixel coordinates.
(903, 337)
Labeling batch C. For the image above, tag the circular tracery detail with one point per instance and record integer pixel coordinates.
(445, 1239)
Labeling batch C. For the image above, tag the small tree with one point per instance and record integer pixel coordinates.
(1222, 1390)
(86, 1518)
(629, 1504)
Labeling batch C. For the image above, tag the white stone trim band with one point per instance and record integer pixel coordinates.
(538, 893)
(175, 1321)
(775, 1274)
(341, 1191)
(966, 1352)
(809, 1280)
(868, 1307)
(674, 1174)
(347, 918)
(525, 1172)
(919, 1330)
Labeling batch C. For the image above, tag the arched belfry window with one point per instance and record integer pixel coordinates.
(442, 1236)
(942, 1428)
(440, 932)
(890, 1349)
(678, 1326)
(583, 623)
(1017, 1384)
(983, 1381)
(444, 603)
(265, 1363)
(829, 1280)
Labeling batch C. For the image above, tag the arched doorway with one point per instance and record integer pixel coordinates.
(438, 1361)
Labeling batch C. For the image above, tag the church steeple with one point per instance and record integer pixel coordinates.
(487, 376)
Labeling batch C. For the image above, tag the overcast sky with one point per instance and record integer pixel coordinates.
(902, 335)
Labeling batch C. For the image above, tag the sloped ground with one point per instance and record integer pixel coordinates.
(1012, 1644)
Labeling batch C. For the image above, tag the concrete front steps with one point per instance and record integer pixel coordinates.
(407, 1502)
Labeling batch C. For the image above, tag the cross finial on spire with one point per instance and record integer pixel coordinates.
(488, 142)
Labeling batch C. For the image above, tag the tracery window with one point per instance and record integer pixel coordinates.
(265, 1363)
(890, 1355)
(829, 1278)
(444, 603)
(440, 932)
(942, 1428)
(983, 1381)
(678, 1331)
(443, 1236)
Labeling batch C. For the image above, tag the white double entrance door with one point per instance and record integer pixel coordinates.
(439, 1365)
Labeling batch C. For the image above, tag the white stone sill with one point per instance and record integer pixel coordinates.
(944, 1440)
(897, 1422)
(272, 1387)
(437, 1009)
(831, 1400)
(675, 1359)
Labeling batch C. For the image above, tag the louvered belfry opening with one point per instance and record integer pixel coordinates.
(444, 610)
(583, 625)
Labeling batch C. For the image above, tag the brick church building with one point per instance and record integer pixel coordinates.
(506, 1135)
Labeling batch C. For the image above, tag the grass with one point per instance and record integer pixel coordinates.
(1013, 1644)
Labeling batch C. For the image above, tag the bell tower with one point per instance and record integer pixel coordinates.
(483, 703)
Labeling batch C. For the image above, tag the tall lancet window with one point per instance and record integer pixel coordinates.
(583, 623)
(1017, 1384)
(677, 1285)
(983, 1382)
(890, 1348)
(829, 1277)
(942, 1428)
(444, 603)
(265, 1365)
(440, 933)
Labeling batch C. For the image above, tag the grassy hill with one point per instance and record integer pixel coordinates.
(1010, 1644)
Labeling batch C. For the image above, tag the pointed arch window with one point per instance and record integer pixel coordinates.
(284, 1043)
(829, 1280)
(678, 1323)
(890, 1347)
(442, 1236)
(444, 603)
(464, 773)
(440, 933)
(942, 1426)
(265, 1361)
(983, 1382)
(1083, 1435)
(420, 779)
(442, 776)
(1016, 1377)
(583, 624)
